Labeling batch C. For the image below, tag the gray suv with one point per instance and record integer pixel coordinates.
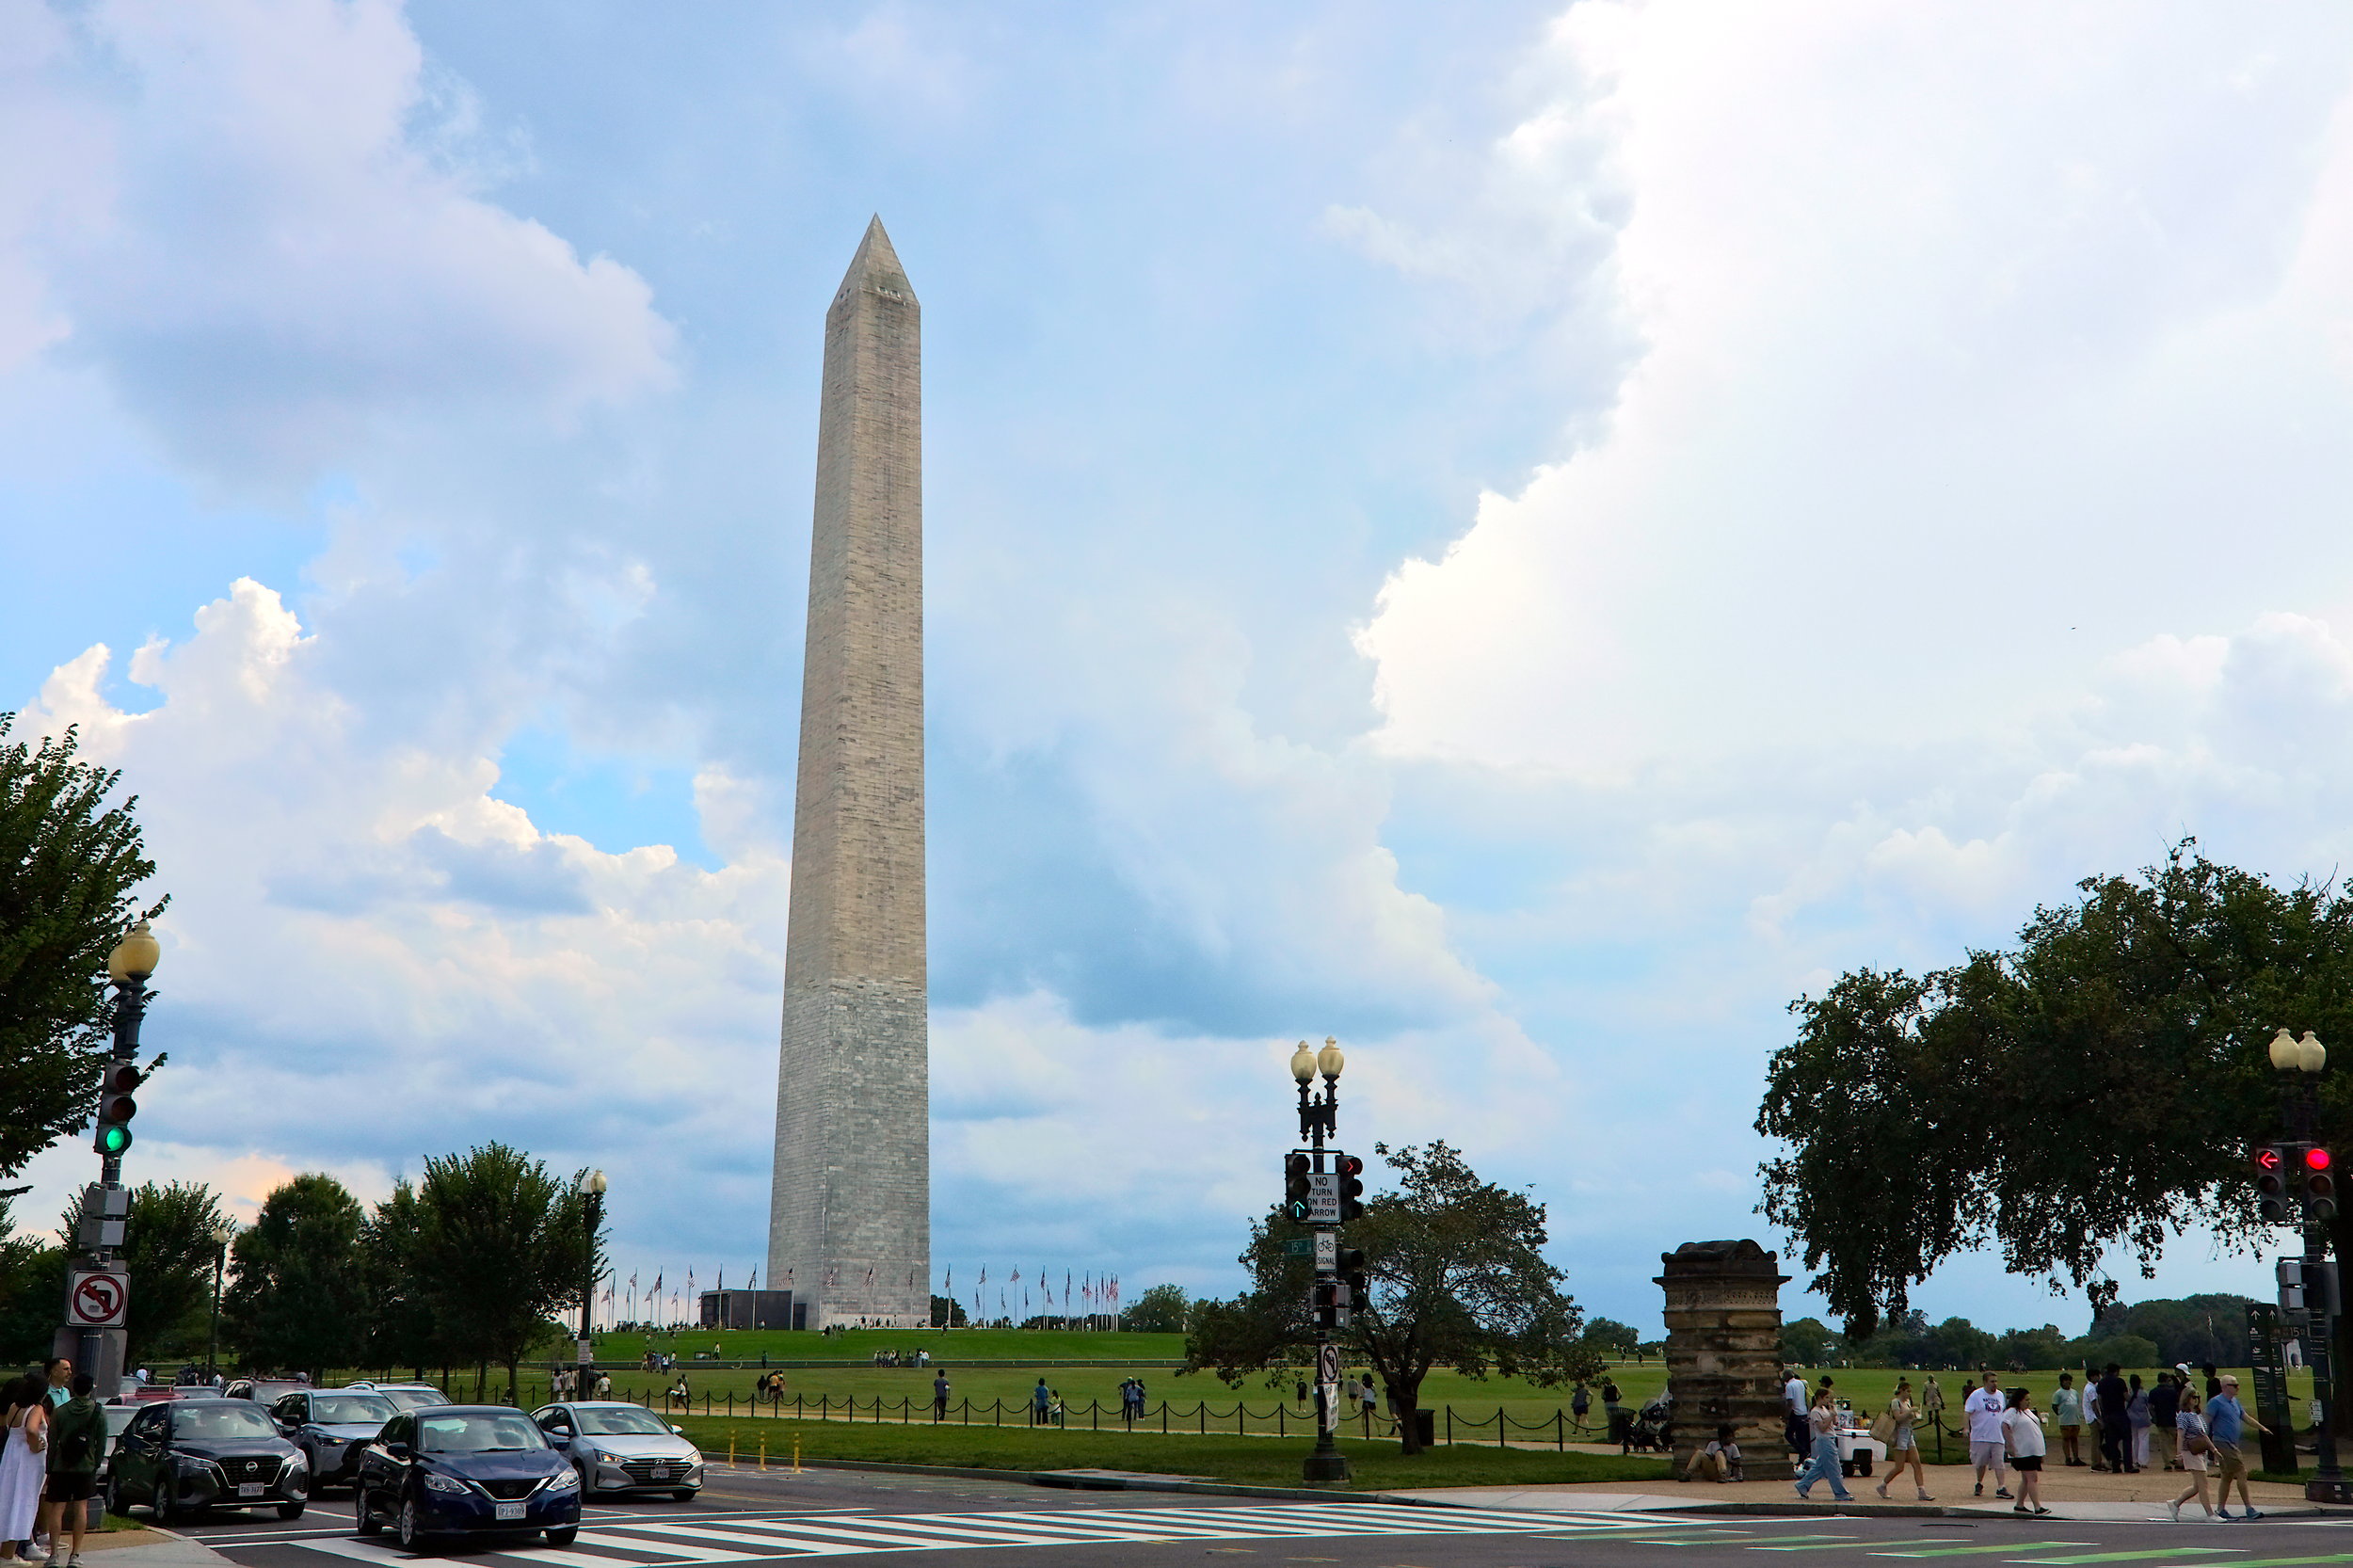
(623, 1447)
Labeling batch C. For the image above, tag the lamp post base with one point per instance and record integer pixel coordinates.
(1327, 1469)
(2334, 1489)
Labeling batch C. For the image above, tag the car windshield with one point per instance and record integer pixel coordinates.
(352, 1409)
(621, 1421)
(211, 1421)
(117, 1416)
(415, 1399)
(477, 1433)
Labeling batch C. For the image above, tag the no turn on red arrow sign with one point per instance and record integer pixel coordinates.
(95, 1300)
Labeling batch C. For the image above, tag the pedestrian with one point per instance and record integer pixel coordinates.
(2116, 1429)
(60, 1375)
(2067, 1414)
(23, 1463)
(2214, 1384)
(1933, 1400)
(2139, 1415)
(1054, 1409)
(1040, 1397)
(2189, 1427)
(2091, 1415)
(604, 1387)
(1371, 1399)
(940, 1397)
(77, 1440)
(1984, 1412)
(1580, 1400)
(1793, 1408)
(2022, 1438)
(1822, 1428)
(1903, 1441)
(1719, 1461)
(1621, 1424)
(2164, 1404)
(2226, 1419)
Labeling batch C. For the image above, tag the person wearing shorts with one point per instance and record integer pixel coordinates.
(2190, 1428)
(2226, 1419)
(77, 1441)
(1987, 1451)
(2022, 1435)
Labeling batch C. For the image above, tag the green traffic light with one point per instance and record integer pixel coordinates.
(114, 1139)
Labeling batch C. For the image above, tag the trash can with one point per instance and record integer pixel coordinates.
(1426, 1427)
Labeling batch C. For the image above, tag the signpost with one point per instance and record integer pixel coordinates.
(2270, 1371)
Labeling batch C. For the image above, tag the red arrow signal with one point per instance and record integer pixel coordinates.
(2267, 1159)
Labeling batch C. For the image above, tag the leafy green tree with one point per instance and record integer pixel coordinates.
(2205, 1330)
(2128, 1350)
(299, 1302)
(1457, 1278)
(2032, 1349)
(170, 1247)
(1609, 1336)
(32, 1293)
(501, 1247)
(946, 1313)
(1807, 1342)
(399, 1330)
(1158, 1310)
(67, 864)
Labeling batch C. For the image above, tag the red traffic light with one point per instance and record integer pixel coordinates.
(2266, 1158)
(2317, 1159)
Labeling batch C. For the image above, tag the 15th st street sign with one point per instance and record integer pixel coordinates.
(97, 1299)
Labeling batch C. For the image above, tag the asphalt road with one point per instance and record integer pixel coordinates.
(750, 1517)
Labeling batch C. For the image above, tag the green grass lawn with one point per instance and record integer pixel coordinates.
(1250, 1461)
(860, 1345)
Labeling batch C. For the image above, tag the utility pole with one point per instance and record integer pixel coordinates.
(98, 1286)
(1315, 1197)
(2311, 1166)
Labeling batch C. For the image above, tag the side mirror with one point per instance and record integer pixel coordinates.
(398, 1450)
(680, 1431)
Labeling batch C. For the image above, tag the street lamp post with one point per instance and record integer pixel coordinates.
(592, 1191)
(2299, 1063)
(98, 1285)
(222, 1234)
(1318, 1116)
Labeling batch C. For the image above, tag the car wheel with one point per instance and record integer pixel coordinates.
(364, 1519)
(114, 1504)
(290, 1510)
(563, 1535)
(159, 1502)
(408, 1529)
(685, 1494)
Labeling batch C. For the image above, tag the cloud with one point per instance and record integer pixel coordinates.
(274, 237)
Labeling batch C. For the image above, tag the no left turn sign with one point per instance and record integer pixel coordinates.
(97, 1300)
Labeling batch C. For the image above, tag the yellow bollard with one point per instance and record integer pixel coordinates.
(730, 1447)
(763, 1450)
(796, 1453)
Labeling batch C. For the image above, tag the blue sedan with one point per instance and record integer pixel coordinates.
(464, 1470)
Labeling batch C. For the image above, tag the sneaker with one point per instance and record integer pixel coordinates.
(1981, 1489)
(2220, 1516)
(2249, 1513)
(2173, 1511)
(1926, 1499)
(2001, 1491)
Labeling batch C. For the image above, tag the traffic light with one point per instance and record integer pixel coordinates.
(2271, 1184)
(1352, 1171)
(116, 1107)
(2290, 1271)
(1326, 1298)
(1352, 1262)
(1295, 1188)
(2320, 1187)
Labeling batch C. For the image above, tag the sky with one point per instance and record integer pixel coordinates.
(1523, 537)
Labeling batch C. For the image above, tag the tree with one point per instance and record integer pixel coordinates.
(67, 864)
(1806, 1342)
(501, 1247)
(1158, 1310)
(1923, 1117)
(399, 1330)
(168, 1245)
(32, 1293)
(947, 1314)
(1457, 1278)
(298, 1301)
(1609, 1336)
(2207, 1330)
(2032, 1349)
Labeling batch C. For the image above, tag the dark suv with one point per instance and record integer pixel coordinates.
(185, 1456)
(462, 1469)
(331, 1427)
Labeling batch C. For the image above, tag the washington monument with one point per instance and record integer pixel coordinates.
(849, 1220)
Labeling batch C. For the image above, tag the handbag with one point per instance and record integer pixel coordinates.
(1884, 1427)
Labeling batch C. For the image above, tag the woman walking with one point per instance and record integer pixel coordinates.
(1903, 1443)
(1822, 1425)
(2138, 1416)
(2189, 1430)
(2022, 1439)
(24, 1464)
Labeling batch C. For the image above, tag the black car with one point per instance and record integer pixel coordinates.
(183, 1456)
(263, 1390)
(331, 1427)
(465, 1469)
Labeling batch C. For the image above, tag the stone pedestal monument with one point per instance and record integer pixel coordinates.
(1723, 1350)
(849, 1220)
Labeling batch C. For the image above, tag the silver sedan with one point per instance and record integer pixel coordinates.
(623, 1447)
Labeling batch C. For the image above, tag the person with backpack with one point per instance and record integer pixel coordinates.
(77, 1441)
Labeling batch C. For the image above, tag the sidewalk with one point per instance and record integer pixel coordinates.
(2068, 1494)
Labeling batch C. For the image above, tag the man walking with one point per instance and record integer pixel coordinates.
(1987, 1443)
(1040, 1397)
(1793, 1422)
(2116, 1432)
(2225, 1419)
(77, 1439)
(940, 1397)
(2165, 1402)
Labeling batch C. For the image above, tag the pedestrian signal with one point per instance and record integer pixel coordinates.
(2271, 1185)
(1295, 1188)
(1352, 1171)
(116, 1107)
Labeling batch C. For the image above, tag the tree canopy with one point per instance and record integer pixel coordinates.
(69, 861)
(297, 1304)
(1457, 1277)
(1158, 1310)
(2096, 1085)
(501, 1245)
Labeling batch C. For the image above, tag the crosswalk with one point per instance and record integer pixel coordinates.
(641, 1541)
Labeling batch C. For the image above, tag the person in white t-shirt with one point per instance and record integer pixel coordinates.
(1793, 1422)
(2022, 1436)
(1984, 1412)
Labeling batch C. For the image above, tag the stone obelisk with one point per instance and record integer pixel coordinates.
(849, 1226)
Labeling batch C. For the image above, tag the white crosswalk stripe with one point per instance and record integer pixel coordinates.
(690, 1542)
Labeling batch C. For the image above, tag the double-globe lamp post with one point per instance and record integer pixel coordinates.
(223, 1233)
(1318, 1116)
(592, 1210)
(2299, 1063)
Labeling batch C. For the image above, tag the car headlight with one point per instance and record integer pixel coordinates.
(567, 1481)
(442, 1483)
(188, 1465)
(295, 1461)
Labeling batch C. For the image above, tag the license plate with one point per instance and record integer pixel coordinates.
(509, 1511)
(251, 1488)
(659, 1471)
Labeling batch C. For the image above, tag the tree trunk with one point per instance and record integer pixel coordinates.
(512, 1369)
(1407, 1397)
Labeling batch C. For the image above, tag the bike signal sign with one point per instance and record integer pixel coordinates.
(95, 1300)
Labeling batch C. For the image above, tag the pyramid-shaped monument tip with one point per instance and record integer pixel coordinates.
(876, 265)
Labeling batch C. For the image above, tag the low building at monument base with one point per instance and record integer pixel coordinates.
(1723, 1351)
